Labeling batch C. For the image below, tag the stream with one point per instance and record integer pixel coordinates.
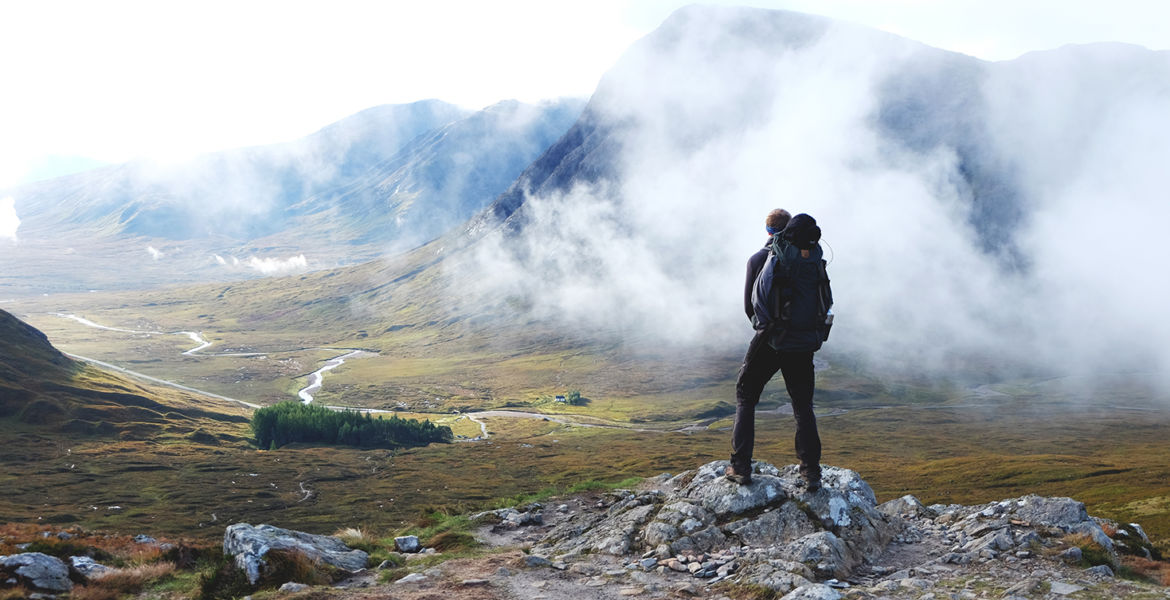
(317, 380)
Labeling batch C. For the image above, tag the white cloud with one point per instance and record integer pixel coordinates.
(717, 133)
(9, 222)
(278, 266)
(317, 60)
(219, 259)
(155, 253)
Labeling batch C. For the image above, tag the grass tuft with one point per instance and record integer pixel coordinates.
(290, 565)
(122, 582)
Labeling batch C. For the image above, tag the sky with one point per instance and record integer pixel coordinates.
(85, 83)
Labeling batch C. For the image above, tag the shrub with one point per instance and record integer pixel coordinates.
(1152, 570)
(222, 580)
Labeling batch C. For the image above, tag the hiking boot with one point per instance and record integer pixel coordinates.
(742, 475)
(811, 476)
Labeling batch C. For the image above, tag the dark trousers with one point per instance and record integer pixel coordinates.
(760, 364)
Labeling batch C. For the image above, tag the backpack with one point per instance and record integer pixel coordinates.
(791, 295)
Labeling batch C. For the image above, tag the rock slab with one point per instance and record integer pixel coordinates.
(248, 544)
(38, 570)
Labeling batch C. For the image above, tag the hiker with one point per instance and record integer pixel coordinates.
(785, 339)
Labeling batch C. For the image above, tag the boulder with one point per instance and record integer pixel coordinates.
(907, 505)
(87, 567)
(249, 544)
(37, 570)
(408, 544)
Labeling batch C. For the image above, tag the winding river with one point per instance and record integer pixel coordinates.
(317, 379)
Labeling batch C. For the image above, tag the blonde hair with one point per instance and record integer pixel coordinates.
(777, 219)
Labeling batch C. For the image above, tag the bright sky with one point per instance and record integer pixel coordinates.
(84, 81)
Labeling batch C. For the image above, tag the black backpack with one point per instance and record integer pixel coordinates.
(791, 294)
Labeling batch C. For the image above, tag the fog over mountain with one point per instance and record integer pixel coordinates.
(383, 180)
(1003, 210)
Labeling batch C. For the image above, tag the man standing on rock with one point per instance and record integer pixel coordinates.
(797, 299)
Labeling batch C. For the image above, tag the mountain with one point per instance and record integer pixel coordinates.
(387, 178)
(42, 388)
(960, 195)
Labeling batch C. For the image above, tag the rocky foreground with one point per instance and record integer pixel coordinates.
(699, 535)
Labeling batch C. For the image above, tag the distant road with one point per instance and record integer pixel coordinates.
(177, 386)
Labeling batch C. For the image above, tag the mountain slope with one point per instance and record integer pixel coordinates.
(387, 178)
(951, 189)
(41, 387)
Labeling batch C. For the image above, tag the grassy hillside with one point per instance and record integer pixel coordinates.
(43, 390)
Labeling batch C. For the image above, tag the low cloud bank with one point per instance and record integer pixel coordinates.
(278, 266)
(719, 125)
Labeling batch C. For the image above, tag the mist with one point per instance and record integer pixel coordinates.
(9, 222)
(998, 216)
(279, 266)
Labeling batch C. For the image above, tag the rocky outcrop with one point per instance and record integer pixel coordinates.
(1016, 525)
(36, 570)
(772, 532)
(775, 534)
(249, 544)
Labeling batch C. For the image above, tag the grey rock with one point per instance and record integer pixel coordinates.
(413, 578)
(533, 560)
(584, 569)
(1026, 587)
(1026, 539)
(824, 552)
(773, 577)
(1101, 570)
(906, 506)
(144, 539)
(1063, 589)
(1071, 555)
(87, 567)
(1141, 532)
(293, 587)
(408, 544)
(813, 591)
(649, 563)
(915, 583)
(711, 491)
(40, 571)
(511, 518)
(701, 541)
(249, 544)
(473, 582)
(778, 526)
